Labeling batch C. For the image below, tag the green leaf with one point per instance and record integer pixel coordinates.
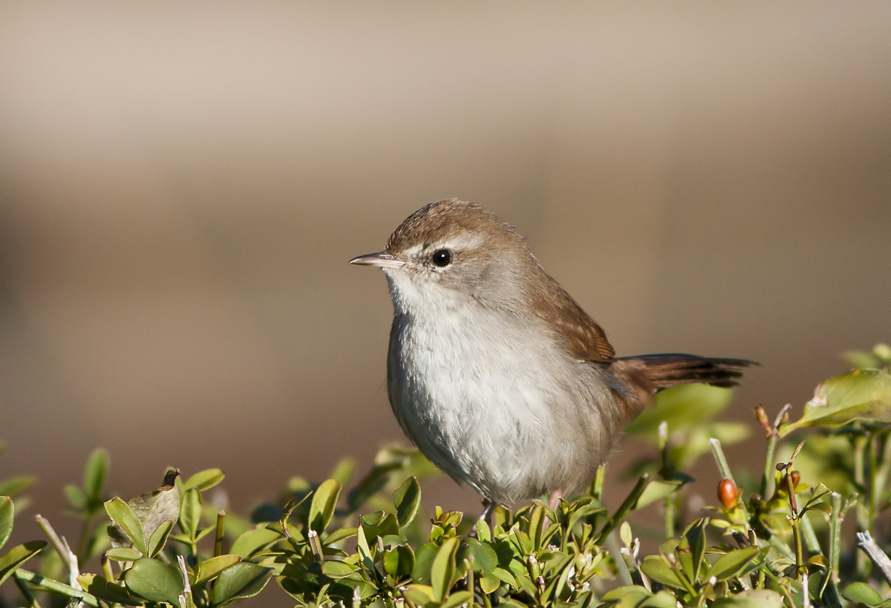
(95, 473)
(123, 554)
(751, 598)
(399, 561)
(663, 599)
(655, 567)
(729, 432)
(489, 583)
(859, 359)
(861, 394)
(241, 580)
(321, 510)
(625, 534)
(823, 507)
(696, 538)
(378, 524)
(154, 507)
(420, 595)
(669, 545)
(336, 569)
(587, 511)
(685, 563)
(483, 532)
(339, 535)
(407, 498)
(817, 562)
(190, 513)
(505, 577)
(16, 485)
(442, 572)
(7, 515)
(254, 540)
(424, 562)
(457, 599)
(159, 538)
(122, 514)
(343, 470)
(202, 532)
(364, 551)
(629, 596)
(862, 593)
(204, 480)
(657, 490)
(109, 592)
(76, 497)
(732, 563)
(149, 510)
(155, 581)
(683, 407)
(882, 352)
(484, 557)
(210, 568)
(17, 556)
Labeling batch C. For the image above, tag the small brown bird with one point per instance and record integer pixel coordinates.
(495, 372)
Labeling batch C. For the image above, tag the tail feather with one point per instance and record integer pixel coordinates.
(645, 375)
(672, 369)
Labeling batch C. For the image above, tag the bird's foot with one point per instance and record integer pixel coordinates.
(486, 515)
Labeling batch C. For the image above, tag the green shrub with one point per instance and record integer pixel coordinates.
(770, 541)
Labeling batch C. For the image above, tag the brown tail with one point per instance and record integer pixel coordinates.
(648, 374)
(667, 370)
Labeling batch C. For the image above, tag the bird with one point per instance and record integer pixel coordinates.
(496, 373)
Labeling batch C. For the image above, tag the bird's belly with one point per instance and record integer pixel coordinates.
(478, 402)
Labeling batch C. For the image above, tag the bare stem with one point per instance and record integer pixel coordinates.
(779, 419)
(873, 479)
(875, 553)
(670, 501)
(218, 540)
(26, 591)
(800, 568)
(54, 539)
(671, 505)
(721, 460)
(860, 479)
(769, 464)
(625, 508)
(835, 521)
(809, 536)
(805, 592)
(107, 572)
(57, 587)
(186, 596)
(862, 508)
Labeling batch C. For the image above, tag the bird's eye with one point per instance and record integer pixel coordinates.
(441, 257)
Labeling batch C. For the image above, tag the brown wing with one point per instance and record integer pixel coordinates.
(585, 339)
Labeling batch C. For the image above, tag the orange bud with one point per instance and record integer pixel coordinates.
(728, 493)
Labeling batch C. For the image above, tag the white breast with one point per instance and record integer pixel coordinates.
(468, 387)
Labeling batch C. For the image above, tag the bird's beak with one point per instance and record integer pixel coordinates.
(381, 259)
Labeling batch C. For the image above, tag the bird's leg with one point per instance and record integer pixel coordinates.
(553, 503)
(488, 511)
(486, 515)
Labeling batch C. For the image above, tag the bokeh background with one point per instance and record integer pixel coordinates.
(181, 187)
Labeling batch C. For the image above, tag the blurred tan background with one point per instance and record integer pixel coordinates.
(181, 187)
